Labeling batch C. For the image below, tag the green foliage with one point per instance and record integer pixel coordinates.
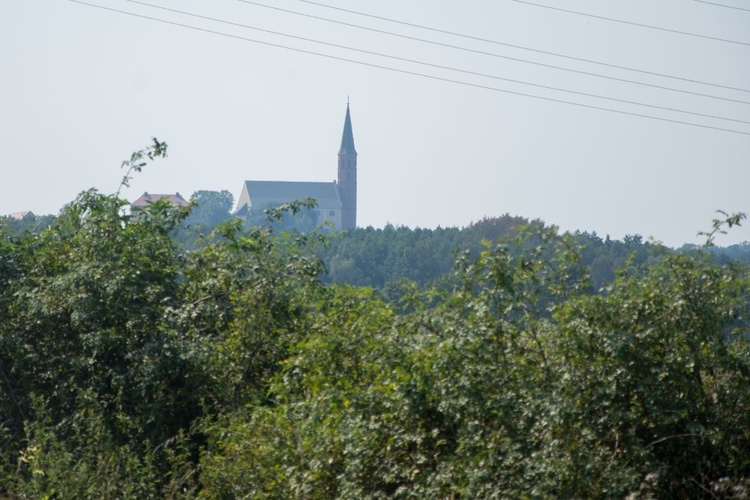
(249, 295)
(131, 367)
(211, 208)
(718, 225)
(117, 341)
(89, 314)
(518, 383)
(298, 216)
(208, 209)
(658, 385)
(31, 224)
(140, 159)
(382, 258)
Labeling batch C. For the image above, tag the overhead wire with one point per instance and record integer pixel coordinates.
(521, 47)
(492, 54)
(631, 23)
(413, 73)
(718, 5)
(438, 66)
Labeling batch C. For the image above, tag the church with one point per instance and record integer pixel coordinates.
(336, 201)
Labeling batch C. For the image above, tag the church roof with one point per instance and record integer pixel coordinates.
(265, 193)
(347, 138)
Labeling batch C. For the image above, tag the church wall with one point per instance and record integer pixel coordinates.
(332, 215)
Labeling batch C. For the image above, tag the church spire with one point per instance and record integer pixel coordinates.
(347, 182)
(347, 139)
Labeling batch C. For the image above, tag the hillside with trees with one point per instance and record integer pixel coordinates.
(518, 362)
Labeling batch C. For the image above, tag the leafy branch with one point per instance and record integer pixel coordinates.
(717, 226)
(276, 214)
(138, 160)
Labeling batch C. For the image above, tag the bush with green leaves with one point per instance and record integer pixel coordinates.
(114, 335)
(131, 367)
(519, 382)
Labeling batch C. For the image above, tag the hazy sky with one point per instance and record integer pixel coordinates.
(81, 88)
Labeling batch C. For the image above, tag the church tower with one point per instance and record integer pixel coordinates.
(347, 181)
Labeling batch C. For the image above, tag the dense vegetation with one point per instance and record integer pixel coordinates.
(131, 366)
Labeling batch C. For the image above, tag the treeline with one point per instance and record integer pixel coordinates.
(133, 367)
(385, 258)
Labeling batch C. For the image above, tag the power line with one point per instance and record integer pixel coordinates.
(520, 47)
(687, 33)
(413, 73)
(438, 66)
(713, 3)
(492, 54)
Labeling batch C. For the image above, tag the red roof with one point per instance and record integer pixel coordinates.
(146, 199)
(21, 215)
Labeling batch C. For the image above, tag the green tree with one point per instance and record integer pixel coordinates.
(211, 208)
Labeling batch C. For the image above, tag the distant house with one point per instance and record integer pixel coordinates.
(336, 201)
(21, 215)
(146, 199)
